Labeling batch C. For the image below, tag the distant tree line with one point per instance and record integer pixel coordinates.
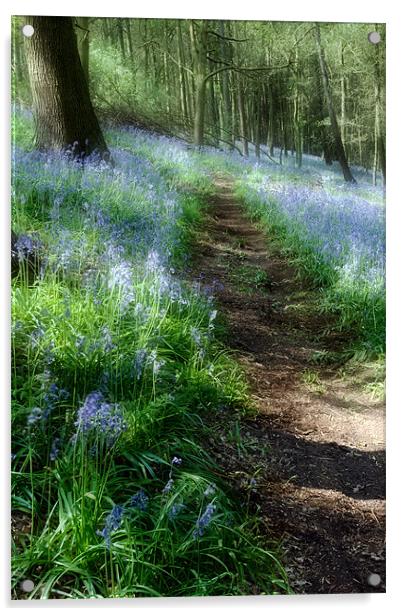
(280, 88)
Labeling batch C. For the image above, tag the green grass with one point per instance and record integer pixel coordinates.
(79, 328)
(250, 278)
(358, 307)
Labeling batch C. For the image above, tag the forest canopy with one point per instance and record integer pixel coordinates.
(237, 85)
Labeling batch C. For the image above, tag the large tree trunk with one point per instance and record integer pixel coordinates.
(340, 150)
(64, 116)
(83, 43)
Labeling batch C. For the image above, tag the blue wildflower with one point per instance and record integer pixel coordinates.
(98, 417)
(55, 449)
(139, 500)
(168, 487)
(34, 416)
(175, 509)
(204, 520)
(210, 490)
(113, 522)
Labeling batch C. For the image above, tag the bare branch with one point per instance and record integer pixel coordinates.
(246, 69)
(227, 38)
(179, 64)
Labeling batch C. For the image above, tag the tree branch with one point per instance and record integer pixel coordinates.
(245, 69)
(227, 38)
(179, 64)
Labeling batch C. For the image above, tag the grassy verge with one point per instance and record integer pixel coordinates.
(115, 366)
(336, 240)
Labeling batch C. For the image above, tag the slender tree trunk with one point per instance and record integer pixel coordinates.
(375, 157)
(182, 77)
(347, 174)
(226, 55)
(146, 53)
(129, 39)
(380, 141)
(283, 131)
(199, 116)
(200, 82)
(121, 37)
(297, 125)
(343, 98)
(242, 119)
(166, 73)
(257, 138)
(64, 116)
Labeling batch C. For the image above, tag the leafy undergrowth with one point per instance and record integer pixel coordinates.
(116, 363)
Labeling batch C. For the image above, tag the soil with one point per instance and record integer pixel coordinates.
(311, 458)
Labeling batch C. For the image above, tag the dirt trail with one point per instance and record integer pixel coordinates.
(316, 445)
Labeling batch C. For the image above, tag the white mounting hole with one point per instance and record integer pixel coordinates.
(27, 585)
(374, 579)
(374, 37)
(28, 30)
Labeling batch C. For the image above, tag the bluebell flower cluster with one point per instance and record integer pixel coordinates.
(100, 418)
(204, 520)
(53, 395)
(210, 490)
(113, 522)
(139, 500)
(35, 415)
(175, 510)
(27, 246)
(55, 449)
(346, 230)
(168, 487)
(140, 362)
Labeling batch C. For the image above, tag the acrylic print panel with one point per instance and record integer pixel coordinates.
(198, 314)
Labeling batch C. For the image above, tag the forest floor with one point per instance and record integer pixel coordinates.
(315, 443)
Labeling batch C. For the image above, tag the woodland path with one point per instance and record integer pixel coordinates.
(315, 444)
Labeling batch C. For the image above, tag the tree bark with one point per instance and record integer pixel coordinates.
(380, 141)
(242, 119)
(64, 116)
(82, 32)
(340, 150)
(200, 80)
(182, 76)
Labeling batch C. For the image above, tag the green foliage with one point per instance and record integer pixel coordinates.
(69, 339)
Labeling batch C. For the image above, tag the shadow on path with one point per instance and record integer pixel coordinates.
(319, 459)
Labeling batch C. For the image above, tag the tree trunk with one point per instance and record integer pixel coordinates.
(199, 116)
(343, 99)
(226, 54)
(200, 81)
(380, 141)
(375, 157)
(242, 120)
(130, 39)
(182, 76)
(82, 32)
(64, 116)
(257, 138)
(340, 151)
(121, 37)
